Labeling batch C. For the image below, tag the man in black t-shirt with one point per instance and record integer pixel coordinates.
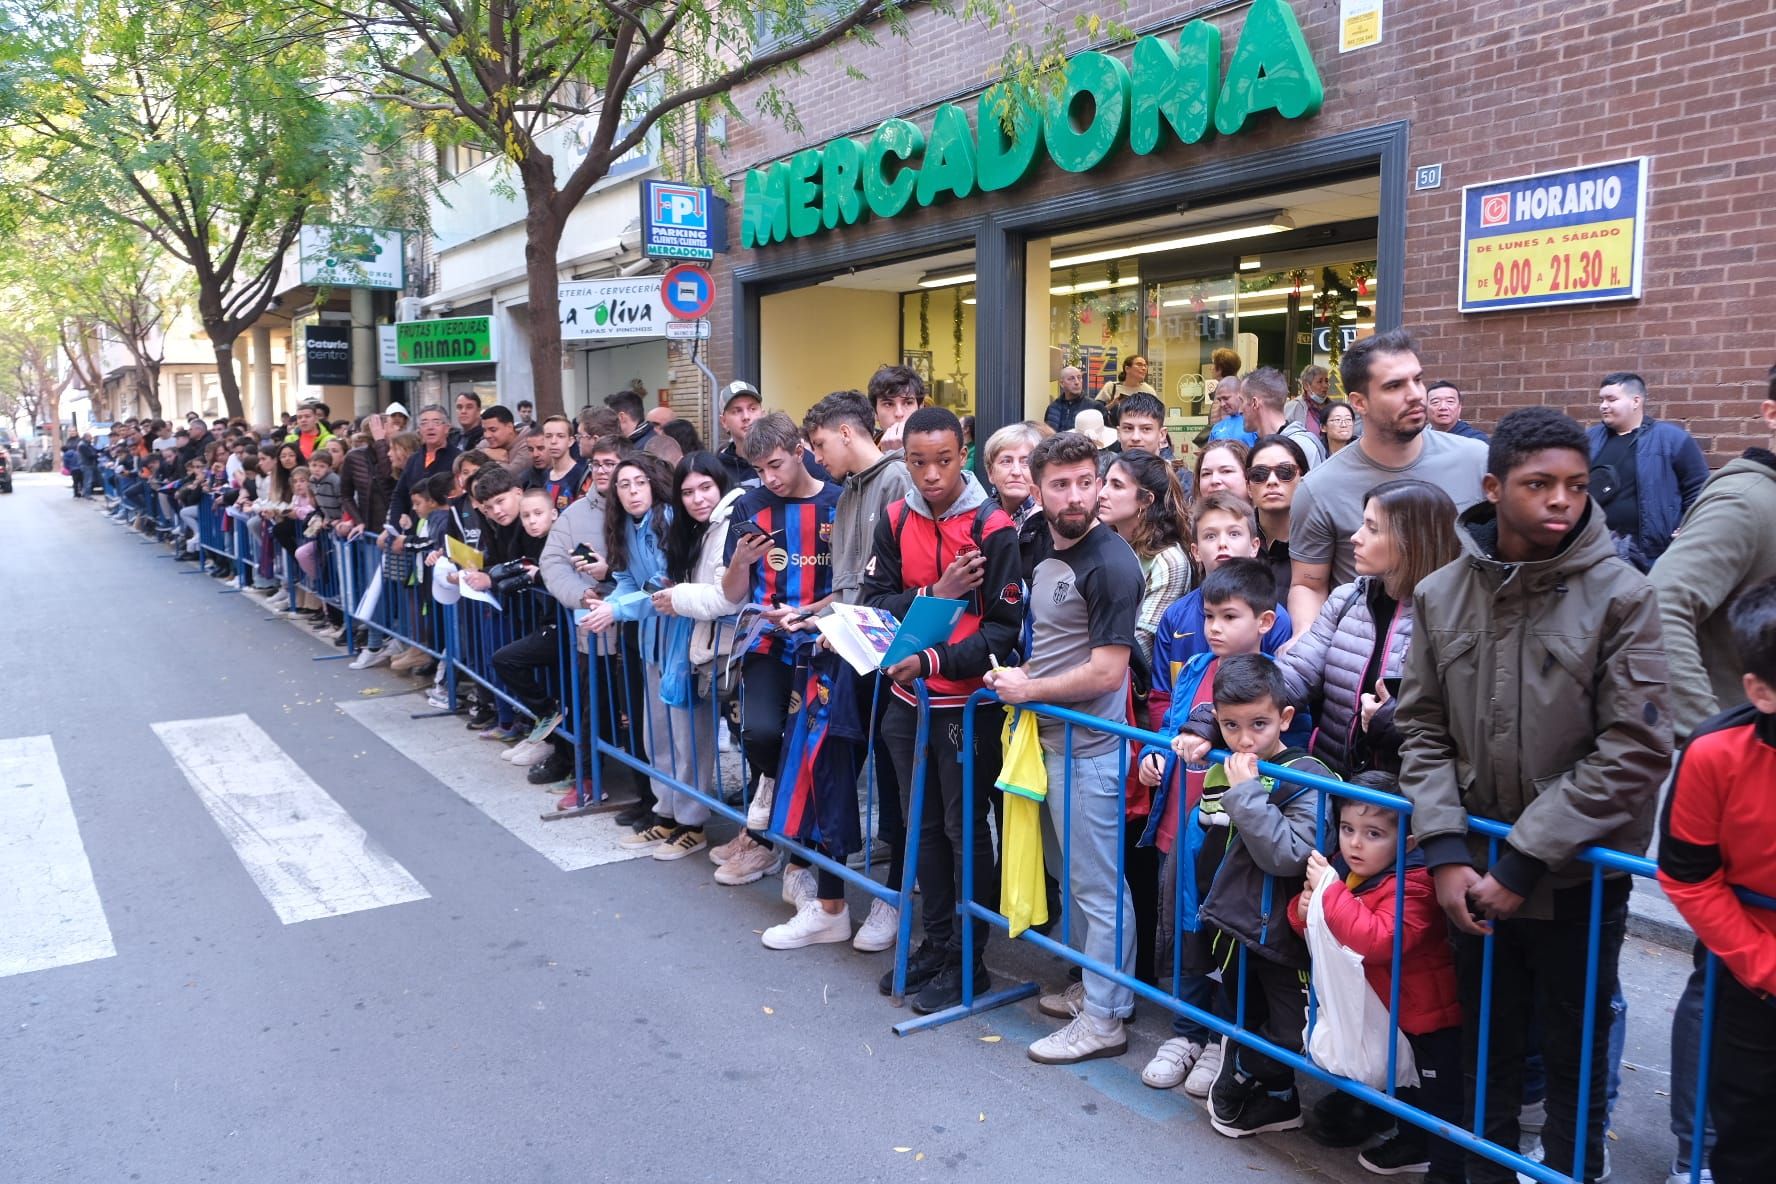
(1085, 593)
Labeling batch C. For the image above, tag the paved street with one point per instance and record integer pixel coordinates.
(285, 932)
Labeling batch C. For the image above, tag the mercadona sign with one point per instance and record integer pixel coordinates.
(1165, 93)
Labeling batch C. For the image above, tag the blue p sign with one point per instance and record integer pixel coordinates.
(679, 205)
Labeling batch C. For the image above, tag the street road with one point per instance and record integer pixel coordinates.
(259, 924)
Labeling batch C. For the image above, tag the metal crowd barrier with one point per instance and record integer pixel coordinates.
(1468, 1139)
(601, 744)
(596, 694)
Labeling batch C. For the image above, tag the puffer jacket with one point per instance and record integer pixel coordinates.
(700, 597)
(1363, 919)
(1324, 670)
(1535, 694)
(1726, 544)
(1274, 826)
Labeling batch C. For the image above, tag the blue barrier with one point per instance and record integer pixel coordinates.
(1471, 1140)
(593, 688)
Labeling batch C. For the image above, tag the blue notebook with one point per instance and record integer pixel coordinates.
(873, 640)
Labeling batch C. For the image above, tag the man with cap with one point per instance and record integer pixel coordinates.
(741, 405)
(397, 417)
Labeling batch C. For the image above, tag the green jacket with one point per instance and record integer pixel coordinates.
(1534, 694)
(1725, 544)
(322, 435)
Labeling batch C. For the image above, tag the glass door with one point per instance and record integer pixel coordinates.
(1188, 319)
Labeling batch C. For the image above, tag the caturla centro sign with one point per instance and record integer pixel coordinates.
(1164, 93)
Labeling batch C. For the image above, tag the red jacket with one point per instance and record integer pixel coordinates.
(1718, 833)
(911, 551)
(1363, 920)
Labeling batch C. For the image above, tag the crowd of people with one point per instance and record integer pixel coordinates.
(1366, 588)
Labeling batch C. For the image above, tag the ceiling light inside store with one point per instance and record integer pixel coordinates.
(1127, 281)
(938, 279)
(1251, 263)
(1201, 236)
(1260, 294)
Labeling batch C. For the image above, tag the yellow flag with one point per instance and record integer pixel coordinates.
(1023, 888)
(461, 554)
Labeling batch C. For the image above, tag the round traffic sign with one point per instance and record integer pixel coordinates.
(687, 291)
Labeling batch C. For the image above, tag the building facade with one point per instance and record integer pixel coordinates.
(1277, 178)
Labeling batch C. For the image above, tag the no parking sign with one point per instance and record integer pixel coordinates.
(687, 291)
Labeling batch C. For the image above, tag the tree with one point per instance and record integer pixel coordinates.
(503, 72)
(92, 277)
(204, 130)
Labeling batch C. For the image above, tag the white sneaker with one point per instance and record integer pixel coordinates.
(812, 925)
(1082, 1040)
(1065, 1004)
(368, 658)
(526, 752)
(799, 886)
(1677, 1177)
(1171, 1063)
(1202, 1074)
(758, 814)
(438, 699)
(724, 742)
(879, 930)
(1536, 1154)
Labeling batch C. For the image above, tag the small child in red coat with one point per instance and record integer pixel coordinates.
(1361, 912)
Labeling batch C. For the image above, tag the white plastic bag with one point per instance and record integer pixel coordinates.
(1349, 1035)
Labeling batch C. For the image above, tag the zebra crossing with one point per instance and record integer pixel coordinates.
(300, 848)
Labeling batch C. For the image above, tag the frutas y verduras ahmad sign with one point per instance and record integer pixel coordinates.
(1164, 93)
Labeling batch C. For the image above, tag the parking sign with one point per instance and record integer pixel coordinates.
(680, 221)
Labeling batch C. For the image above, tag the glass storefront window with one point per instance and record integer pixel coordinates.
(937, 340)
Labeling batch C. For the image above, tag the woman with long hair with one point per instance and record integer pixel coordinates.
(289, 458)
(1141, 501)
(1339, 669)
(637, 525)
(1221, 465)
(1341, 427)
(1273, 474)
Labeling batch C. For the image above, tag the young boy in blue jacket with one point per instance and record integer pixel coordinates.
(1238, 613)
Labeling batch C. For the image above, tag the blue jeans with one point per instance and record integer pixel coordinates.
(1686, 1044)
(1085, 810)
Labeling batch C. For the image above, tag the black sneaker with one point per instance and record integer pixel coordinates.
(1407, 1151)
(922, 966)
(1262, 1113)
(1339, 1120)
(1232, 1089)
(637, 817)
(945, 988)
(555, 767)
(482, 718)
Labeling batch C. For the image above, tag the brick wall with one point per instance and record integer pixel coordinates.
(1491, 92)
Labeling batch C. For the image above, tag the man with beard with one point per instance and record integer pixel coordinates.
(1385, 378)
(1085, 592)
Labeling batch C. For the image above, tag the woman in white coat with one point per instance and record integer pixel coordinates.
(703, 501)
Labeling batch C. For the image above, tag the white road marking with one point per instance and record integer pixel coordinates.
(50, 913)
(307, 855)
(472, 768)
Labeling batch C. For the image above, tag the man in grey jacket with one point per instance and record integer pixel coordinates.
(839, 428)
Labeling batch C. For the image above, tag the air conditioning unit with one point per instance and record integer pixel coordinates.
(407, 308)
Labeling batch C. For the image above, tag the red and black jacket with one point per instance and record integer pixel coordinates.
(910, 553)
(1717, 836)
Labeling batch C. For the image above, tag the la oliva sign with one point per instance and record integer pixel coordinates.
(1165, 93)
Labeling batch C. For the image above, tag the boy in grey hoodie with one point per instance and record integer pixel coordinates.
(840, 429)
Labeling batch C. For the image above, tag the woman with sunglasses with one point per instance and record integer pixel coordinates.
(1273, 473)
